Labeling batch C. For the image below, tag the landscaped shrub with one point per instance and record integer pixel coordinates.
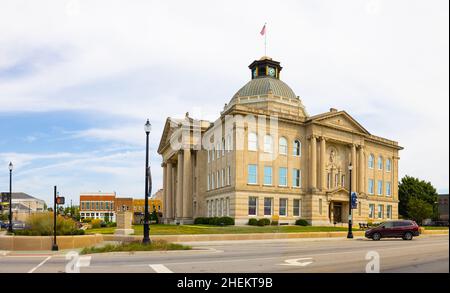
(227, 221)
(262, 222)
(96, 223)
(201, 221)
(86, 220)
(253, 222)
(274, 223)
(301, 222)
(41, 224)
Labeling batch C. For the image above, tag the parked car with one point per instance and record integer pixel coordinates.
(405, 229)
(18, 225)
(3, 225)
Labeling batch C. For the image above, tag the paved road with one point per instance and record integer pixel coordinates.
(423, 254)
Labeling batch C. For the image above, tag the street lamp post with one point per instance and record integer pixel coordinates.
(55, 211)
(10, 227)
(350, 234)
(146, 240)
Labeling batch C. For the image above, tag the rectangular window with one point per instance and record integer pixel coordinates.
(229, 143)
(336, 180)
(252, 141)
(208, 183)
(107, 205)
(380, 211)
(209, 158)
(268, 144)
(227, 206)
(219, 210)
(329, 180)
(282, 180)
(296, 178)
(222, 173)
(218, 179)
(252, 174)
(343, 180)
(267, 206)
(88, 205)
(388, 165)
(96, 205)
(388, 188)
(252, 206)
(228, 175)
(370, 187)
(380, 187)
(297, 207)
(82, 205)
(283, 207)
(389, 212)
(212, 181)
(213, 154)
(218, 150)
(223, 147)
(267, 175)
(371, 211)
(101, 205)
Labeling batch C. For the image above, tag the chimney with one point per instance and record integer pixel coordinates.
(333, 110)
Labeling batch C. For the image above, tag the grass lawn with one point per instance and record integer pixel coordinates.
(434, 228)
(160, 229)
(136, 246)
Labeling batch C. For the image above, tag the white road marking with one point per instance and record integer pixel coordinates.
(160, 268)
(296, 262)
(42, 262)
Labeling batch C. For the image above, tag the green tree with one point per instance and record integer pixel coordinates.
(419, 210)
(410, 188)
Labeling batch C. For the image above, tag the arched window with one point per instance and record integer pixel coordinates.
(297, 148)
(252, 141)
(268, 144)
(371, 161)
(380, 163)
(388, 165)
(283, 146)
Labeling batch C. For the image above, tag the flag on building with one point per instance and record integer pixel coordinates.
(263, 31)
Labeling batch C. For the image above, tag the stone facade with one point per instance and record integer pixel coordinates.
(266, 157)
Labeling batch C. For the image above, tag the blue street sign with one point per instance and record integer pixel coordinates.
(354, 197)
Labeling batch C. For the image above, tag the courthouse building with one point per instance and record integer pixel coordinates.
(266, 157)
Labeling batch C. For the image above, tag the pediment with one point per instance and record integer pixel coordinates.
(340, 120)
(169, 128)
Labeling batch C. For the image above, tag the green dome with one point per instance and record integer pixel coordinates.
(263, 85)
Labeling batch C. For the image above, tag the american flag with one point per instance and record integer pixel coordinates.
(263, 31)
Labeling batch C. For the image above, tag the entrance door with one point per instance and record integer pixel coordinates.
(337, 213)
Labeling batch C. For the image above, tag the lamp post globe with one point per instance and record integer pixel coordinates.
(350, 234)
(146, 239)
(10, 226)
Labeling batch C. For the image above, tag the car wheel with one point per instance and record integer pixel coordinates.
(408, 236)
(376, 236)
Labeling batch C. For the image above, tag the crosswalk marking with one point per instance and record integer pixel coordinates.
(160, 268)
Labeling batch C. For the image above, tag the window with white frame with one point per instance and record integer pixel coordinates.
(371, 161)
(267, 175)
(371, 211)
(296, 178)
(228, 175)
(297, 150)
(282, 176)
(209, 158)
(343, 180)
(212, 181)
(252, 174)
(388, 188)
(380, 163)
(283, 207)
(268, 144)
(252, 141)
(297, 207)
(379, 187)
(267, 206)
(388, 165)
(208, 183)
(389, 212)
(380, 211)
(283, 146)
(223, 177)
(228, 206)
(370, 187)
(252, 206)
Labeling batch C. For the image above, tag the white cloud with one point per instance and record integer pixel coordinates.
(385, 62)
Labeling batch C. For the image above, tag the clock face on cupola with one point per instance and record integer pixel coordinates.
(265, 67)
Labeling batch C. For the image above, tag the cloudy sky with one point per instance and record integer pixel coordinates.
(78, 79)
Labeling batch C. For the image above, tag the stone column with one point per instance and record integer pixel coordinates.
(174, 191)
(164, 201)
(313, 164)
(179, 197)
(323, 166)
(168, 204)
(187, 180)
(355, 169)
(362, 168)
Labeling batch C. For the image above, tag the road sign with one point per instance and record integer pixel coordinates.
(354, 197)
(60, 200)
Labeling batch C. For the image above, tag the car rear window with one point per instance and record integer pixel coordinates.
(402, 224)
